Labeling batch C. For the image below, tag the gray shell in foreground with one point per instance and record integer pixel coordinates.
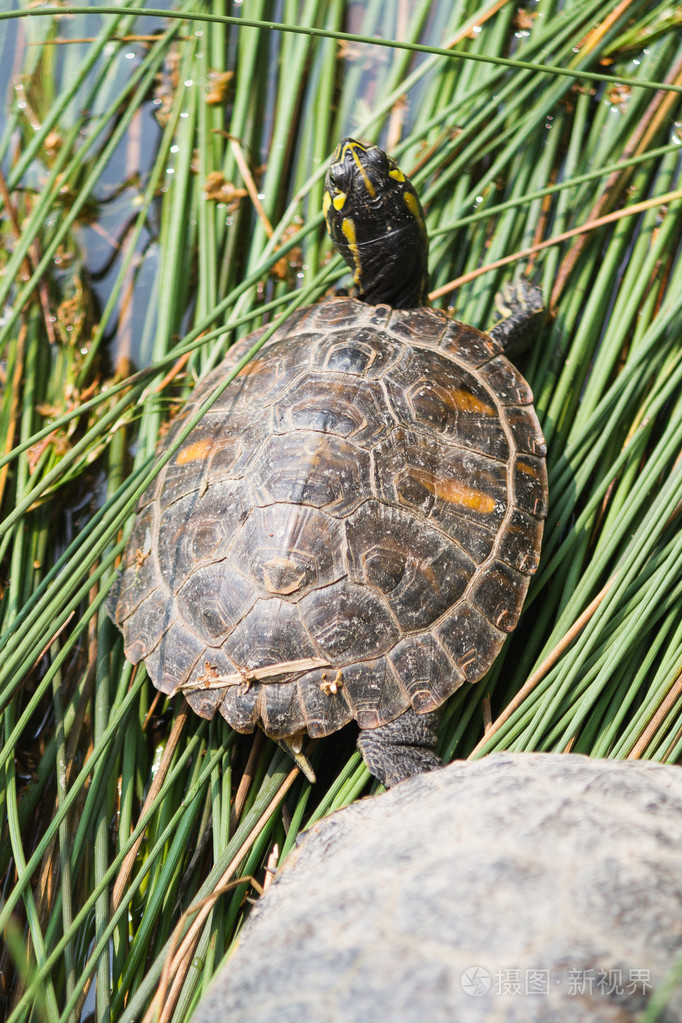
(367, 498)
(522, 887)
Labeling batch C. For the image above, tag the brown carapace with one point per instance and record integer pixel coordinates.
(349, 532)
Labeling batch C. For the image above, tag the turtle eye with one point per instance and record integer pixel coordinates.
(378, 160)
(339, 175)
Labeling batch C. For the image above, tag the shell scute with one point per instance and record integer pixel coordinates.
(319, 401)
(203, 703)
(417, 569)
(519, 544)
(270, 633)
(365, 353)
(147, 625)
(281, 712)
(374, 692)
(441, 482)
(440, 396)
(212, 667)
(530, 485)
(523, 424)
(498, 592)
(341, 312)
(427, 672)
(348, 621)
(471, 640)
(199, 528)
(188, 468)
(304, 468)
(427, 326)
(325, 704)
(214, 600)
(505, 382)
(240, 705)
(289, 549)
(171, 661)
(468, 345)
(266, 374)
(233, 452)
(139, 569)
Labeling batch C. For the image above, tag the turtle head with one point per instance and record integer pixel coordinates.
(376, 222)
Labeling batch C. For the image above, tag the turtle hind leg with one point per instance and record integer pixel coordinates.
(520, 316)
(401, 748)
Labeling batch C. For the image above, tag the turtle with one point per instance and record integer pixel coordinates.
(518, 888)
(350, 530)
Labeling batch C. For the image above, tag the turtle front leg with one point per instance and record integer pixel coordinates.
(519, 316)
(401, 748)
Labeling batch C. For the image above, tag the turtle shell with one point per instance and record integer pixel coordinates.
(348, 531)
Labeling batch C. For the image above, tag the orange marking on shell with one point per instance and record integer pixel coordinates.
(455, 492)
(252, 367)
(465, 401)
(199, 450)
(529, 470)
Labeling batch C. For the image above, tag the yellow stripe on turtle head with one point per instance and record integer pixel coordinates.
(348, 229)
(353, 148)
(412, 203)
